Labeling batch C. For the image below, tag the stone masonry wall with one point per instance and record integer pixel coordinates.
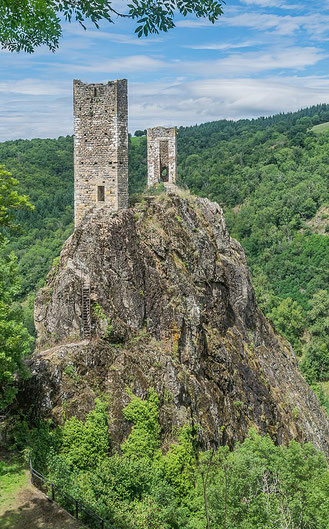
(100, 146)
(161, 155)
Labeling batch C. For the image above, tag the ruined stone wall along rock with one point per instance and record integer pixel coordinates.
(161, 156)
(100, 146)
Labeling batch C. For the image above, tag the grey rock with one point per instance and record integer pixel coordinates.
(172, 307)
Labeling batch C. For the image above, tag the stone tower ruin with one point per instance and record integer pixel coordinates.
(100, 146)
(161, 156)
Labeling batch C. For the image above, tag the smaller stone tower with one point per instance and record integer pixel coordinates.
(100, 146)
(161, 156)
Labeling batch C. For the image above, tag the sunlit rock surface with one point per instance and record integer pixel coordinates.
(173, 308)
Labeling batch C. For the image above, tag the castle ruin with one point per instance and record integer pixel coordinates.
(161, 156)
(100, 146)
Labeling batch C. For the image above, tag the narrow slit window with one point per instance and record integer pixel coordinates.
(101, 194)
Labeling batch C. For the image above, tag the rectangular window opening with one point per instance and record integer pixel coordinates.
(100, 193)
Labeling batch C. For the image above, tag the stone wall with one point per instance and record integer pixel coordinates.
(161, 156)
(100, 146)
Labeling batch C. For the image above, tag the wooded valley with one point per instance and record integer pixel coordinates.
(271, 177)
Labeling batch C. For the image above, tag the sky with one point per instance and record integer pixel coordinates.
(260, 58)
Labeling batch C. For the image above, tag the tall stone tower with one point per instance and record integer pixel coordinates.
(100, 146)
(161, 156)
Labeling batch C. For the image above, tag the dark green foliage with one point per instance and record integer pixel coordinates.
(315, 363)
(27, 24)
(258, 485)
(15, 341)
(140, 133)
(38, 441)
(45, 171)
(85, 445)
(144, 439)
(262, 485)
(10, 201)
(137, 164)
(154, 17)
(179, 465)
(320, 393)
(289, 319)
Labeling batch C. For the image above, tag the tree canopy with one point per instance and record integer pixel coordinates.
(10, 200)
(27, 24)
(177, 485)
(15, 341)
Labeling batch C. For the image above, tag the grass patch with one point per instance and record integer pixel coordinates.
(22, 506)
(13, 476)
(318, 129)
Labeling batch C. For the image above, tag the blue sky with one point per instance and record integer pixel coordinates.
(260, 58)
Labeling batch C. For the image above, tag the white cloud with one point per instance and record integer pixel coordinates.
(243, 63)
(295, 58)
(315, 24)
(35, 117)
(36, 87)
(189, 23)
(271, 3)
(223, 46)
(117, 66)
(171, 90)
(187, 103)
(111, 36)
(161, 103)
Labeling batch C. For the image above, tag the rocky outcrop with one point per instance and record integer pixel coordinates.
(171, 307)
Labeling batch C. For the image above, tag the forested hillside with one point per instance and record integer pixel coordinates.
(44, 169)
(271, 176)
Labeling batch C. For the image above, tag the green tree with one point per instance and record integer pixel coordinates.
(257, 485)
(260, 485)
(27, 24)
(139, 133)
(10, 200)
(179, 464)
(15, 341)
(289, 319)
(86, 444)
(315, 363)
(144, 438)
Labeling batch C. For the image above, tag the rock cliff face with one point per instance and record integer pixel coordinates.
(172, 307)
